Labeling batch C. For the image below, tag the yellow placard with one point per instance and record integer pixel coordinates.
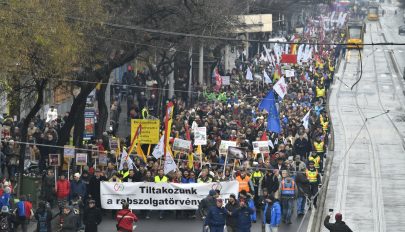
(150, 130)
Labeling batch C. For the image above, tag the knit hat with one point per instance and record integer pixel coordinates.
(338, 217)
(212, 192)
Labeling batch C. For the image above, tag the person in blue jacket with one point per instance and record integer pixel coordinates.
(271, 214)
(216, 216)
(77, 187)
(243, 215)
(250, 202)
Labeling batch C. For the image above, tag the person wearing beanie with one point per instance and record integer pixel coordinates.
(232, 205)
(207, 202)
(216, 216)
(338, 226)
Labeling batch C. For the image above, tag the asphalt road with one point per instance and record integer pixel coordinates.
(170, 223)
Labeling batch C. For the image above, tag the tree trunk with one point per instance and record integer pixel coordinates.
(102, 111)
(79, 125)
(40, 85)
(74, 110)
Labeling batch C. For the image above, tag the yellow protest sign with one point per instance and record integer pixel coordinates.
(150, 130)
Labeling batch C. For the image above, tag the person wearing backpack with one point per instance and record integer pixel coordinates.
(23, 213)
(6, 224)
(43, 215)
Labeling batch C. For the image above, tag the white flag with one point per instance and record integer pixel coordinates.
(170, 165)
(280, 87)
(271, 144)
(158, 151)
(305, 120)
(249, 75)
(125, 158)
(267, 79)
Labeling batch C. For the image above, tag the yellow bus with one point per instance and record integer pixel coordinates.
(355, 34)
(372, 13)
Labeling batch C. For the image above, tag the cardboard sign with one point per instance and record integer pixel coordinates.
(200, 136)
(226, 80)
(261, 147)
(69, 152)
(150, 130)
(223, 147)
(181, 145)
(54, 160)
(81, 159)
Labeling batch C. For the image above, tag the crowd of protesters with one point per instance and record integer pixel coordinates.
(270, 183)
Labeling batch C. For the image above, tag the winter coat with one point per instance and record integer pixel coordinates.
(275, 217)
(270, 182)
(48, 186)
(70, 222)
(243, 216)
(302, 184)
(77, 187)
(205, 204)
(94, 187)
(251, 205)
(62, 188)
(128, 218)
(338, 226)
(44, 218)
(92, 216)
(216, 216)
(231, 220)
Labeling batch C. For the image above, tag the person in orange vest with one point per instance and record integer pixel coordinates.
(288, 192)
(244, 182)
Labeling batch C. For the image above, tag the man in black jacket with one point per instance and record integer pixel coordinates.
(231, 221)
(301, 146)
(304, 190)
(92, 217)
(270, 182)
(338, 226)
(94, 187)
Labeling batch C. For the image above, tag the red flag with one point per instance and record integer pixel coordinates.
(289, 58)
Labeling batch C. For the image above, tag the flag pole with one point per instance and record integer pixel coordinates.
(226, 158)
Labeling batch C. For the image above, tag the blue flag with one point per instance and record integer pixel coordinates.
(273, 119)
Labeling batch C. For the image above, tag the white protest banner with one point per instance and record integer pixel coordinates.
(200, 136)
(161, 196)
(289, 73)
(181, 145)
(305, 120)
(261, 147)
(223, 147)
(226, 80)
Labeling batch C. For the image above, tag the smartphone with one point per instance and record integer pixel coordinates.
(330, 210)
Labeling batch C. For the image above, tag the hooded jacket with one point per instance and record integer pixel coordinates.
(275, 213)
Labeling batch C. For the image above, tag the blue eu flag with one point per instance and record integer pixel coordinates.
(273, 119)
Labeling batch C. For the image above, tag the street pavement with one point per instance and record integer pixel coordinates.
(366, 182)
(170, 223)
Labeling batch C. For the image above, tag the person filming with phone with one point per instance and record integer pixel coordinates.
(338, 226)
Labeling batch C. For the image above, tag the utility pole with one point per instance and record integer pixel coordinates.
(190, 75)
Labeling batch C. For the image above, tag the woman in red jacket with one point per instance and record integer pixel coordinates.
(62, 190)
(125, 219)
